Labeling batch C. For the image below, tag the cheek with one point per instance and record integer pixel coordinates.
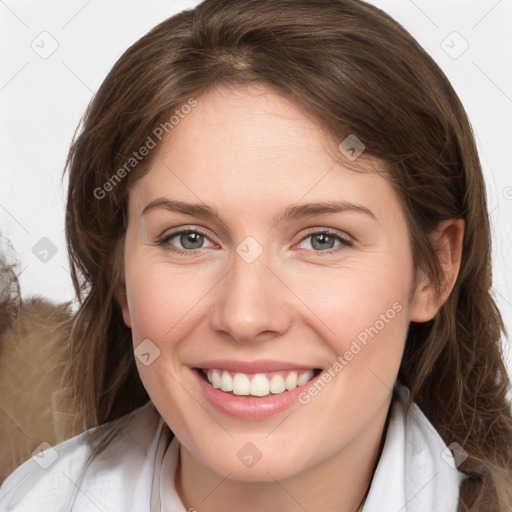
(357, 303)
(162, 302)
(364, 320)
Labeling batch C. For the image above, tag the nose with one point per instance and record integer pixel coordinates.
(251, 303)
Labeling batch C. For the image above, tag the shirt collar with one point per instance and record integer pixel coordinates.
(416, 470)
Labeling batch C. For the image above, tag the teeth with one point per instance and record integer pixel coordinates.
(226, 382)
(277, 384)
(241, 384)
(257, 384)
(215, 379)
(260, 385)
(304, 377)
(291, 381)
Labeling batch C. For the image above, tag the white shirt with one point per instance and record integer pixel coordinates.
(416, 471)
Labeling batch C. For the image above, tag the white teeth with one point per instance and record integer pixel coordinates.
(241, 384)
(226, 382)
(260, 385)
(291, 381)
(215, 379)
(277, 384)
(257, 384)
(304, 377)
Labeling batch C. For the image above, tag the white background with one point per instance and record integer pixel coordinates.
(42, 100)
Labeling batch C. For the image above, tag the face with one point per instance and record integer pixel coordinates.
(265, 293)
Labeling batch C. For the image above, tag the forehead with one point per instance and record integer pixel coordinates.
(251, 145)
(249, 123)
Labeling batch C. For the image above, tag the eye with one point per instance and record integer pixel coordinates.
(190, 240)
(322, 240)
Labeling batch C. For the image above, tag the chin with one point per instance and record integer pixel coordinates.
(257, 461)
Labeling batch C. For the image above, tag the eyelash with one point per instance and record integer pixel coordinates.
(164, 242)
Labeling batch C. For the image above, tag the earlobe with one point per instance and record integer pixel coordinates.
(126, 317)
(447, 242)
(123, 303)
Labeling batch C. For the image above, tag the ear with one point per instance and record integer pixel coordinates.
(122, 298)
(120, 292)
(447, 242)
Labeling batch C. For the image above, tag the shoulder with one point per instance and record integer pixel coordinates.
(58, 476)
(416, 468)
(424, 447)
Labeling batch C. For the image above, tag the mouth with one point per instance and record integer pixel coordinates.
(256, 384)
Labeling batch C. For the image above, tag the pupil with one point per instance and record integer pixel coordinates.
(324, 239)
(188, 239)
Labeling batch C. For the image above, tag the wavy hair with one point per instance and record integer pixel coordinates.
(356, 71)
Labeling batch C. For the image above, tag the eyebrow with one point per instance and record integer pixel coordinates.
(292, 211)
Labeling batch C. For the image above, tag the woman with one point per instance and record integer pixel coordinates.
(283, 372)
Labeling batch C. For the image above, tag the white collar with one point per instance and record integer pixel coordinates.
(416, 470)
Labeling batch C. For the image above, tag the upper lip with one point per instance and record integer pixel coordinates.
(260, 366)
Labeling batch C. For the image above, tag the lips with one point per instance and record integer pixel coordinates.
(252, 367)
(253, 390)
(259, 380)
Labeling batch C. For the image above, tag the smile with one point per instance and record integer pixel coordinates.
(257, 384)
(252, 390)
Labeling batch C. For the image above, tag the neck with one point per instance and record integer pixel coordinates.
(338, 484)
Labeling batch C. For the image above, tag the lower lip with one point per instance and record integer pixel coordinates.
(251, 407)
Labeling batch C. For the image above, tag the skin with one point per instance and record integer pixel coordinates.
(249, 152)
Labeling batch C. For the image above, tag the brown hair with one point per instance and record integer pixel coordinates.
(357, 71)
